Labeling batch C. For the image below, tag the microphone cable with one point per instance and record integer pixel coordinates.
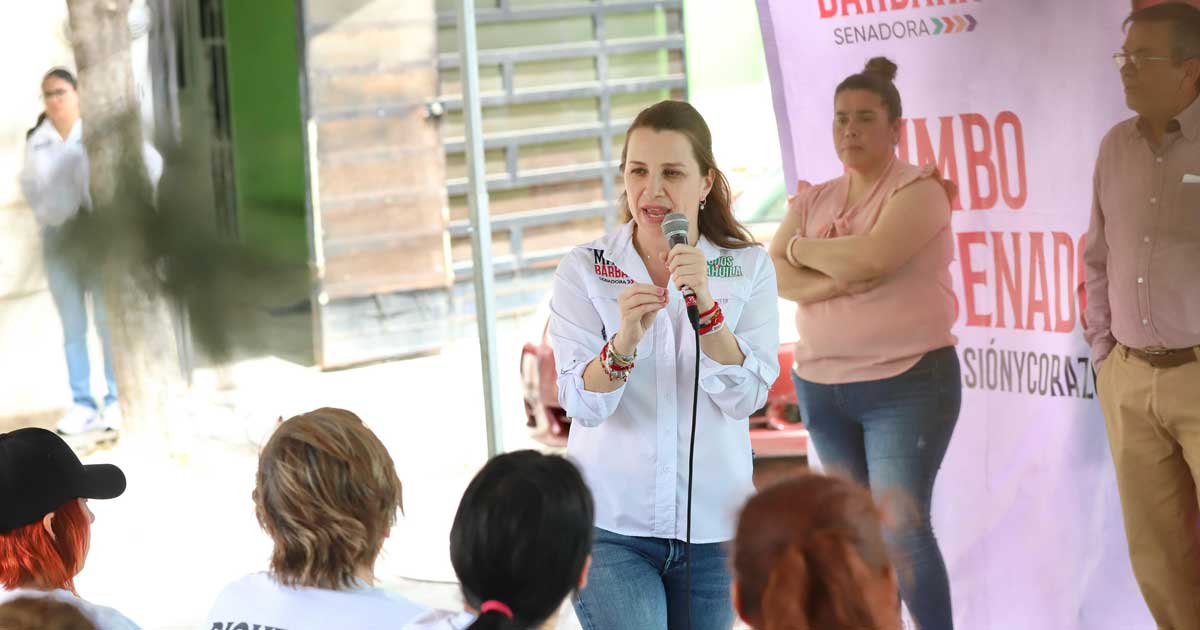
(687, 547)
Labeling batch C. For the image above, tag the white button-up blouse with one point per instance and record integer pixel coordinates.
(632, 443)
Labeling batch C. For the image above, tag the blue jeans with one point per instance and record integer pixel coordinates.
(69, 288)
(639, 584)
(891, 435)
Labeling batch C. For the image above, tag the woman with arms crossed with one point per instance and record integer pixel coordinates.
(866, 256)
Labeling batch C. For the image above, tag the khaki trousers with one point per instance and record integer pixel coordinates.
(1153, 421)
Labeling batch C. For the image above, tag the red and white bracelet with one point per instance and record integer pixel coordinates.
(616, 365)
(715, 324)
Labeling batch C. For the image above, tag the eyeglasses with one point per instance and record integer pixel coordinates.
(54, 93)
(1137, 59)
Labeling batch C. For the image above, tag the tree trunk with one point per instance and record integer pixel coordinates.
(145, 356)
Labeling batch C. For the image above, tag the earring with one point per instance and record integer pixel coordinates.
(702, 202)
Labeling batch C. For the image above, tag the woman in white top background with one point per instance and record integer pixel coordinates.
(627, 359)
(54, 181)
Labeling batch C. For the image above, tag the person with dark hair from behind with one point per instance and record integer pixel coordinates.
(327, 494)
(54, 181)
(45, 523)
(40, 613)
(1141, 263)
(809, 555)
(521, 542)
(867, 256)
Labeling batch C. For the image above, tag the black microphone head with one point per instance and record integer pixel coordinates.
(675, 228)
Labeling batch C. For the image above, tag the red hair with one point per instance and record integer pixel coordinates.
(805, 549)
(29, 555)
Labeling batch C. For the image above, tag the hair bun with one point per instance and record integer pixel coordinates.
(881, 66)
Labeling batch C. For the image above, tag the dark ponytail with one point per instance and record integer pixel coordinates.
(41, 118)
(522, 536)
(54, 73)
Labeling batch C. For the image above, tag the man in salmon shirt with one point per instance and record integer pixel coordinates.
(1143, 313)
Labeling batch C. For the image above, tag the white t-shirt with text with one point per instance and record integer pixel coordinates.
(258, 601)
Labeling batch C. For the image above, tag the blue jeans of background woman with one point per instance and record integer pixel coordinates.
(891, 435)
(640, 583)
(69, 287)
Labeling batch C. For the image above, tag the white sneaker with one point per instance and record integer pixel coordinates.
(80, 419)
(112, 416)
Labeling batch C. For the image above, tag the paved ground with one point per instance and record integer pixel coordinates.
(186, 525)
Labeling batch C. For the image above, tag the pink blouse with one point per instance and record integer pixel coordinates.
(885, 331)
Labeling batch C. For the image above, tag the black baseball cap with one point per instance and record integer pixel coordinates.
(39, 473)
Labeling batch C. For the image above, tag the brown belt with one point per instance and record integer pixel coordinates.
(1164, 358)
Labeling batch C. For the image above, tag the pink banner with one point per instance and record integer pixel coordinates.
(1011, 99)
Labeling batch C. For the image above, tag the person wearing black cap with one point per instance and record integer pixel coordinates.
(45, 524)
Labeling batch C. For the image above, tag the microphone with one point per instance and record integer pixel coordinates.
(675, 228)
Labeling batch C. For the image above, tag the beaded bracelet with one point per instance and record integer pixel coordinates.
(616, 365)
(618, 358)
(716, 328)
(714, 325)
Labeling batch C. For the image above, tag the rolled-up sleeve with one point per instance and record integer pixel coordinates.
(740, 390)
(576, 334)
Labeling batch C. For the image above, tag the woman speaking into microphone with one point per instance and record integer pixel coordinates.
(627, 357)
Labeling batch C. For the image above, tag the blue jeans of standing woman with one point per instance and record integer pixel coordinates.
(891, 435)
(70, 286)
(640, 583)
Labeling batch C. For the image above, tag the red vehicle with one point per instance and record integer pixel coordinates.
(775, 430)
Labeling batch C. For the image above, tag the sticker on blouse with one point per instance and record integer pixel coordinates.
(608, 271)
(1189, 178)
(723, 267)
